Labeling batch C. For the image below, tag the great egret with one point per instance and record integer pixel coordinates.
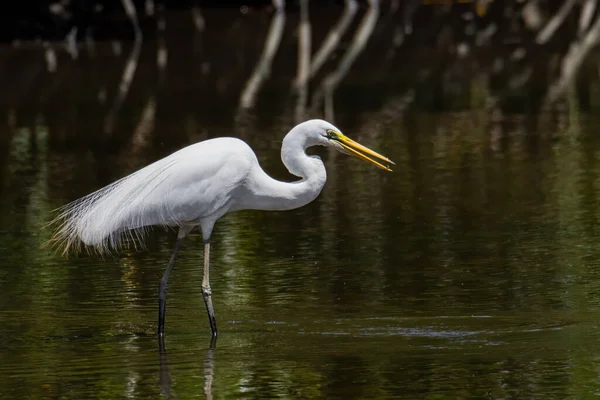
(197, 185)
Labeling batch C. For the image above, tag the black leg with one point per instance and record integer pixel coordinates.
(163, 286)
(213, 342)
(206, 291)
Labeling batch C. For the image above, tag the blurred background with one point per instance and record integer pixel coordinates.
(471, 271)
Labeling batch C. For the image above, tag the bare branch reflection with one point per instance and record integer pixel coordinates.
(128, 71)
(144, 128)
(333, 38)
(161, 46)
(555, 22)
(198, 18)
(304, 46)
(587, 12)
(124, 85)
(464, 55)
(573, 59)
(50, 58)
(132, 15)
(263, 66)
(359, 41)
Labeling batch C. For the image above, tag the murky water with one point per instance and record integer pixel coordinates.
(470, 271)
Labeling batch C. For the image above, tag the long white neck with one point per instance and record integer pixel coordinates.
(271, 194)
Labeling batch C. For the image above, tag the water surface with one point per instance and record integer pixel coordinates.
(470, 271)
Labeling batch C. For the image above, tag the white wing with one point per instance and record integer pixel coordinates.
(192, 183)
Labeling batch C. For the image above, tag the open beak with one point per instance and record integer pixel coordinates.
(360, 151)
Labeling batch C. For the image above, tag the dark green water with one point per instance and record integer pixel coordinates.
(471, 271)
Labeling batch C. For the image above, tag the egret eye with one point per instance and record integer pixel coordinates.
(331, 134)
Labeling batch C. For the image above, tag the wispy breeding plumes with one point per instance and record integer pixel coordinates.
(105, 219)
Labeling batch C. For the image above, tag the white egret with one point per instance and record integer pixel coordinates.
(197, 185)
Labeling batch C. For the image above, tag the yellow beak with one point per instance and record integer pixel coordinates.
(360, 151)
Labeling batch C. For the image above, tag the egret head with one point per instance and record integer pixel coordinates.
(325, 134)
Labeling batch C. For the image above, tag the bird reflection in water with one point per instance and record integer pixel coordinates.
(209, 368)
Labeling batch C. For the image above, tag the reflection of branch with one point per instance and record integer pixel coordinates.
(130, 11)
(50, 58)
(303, 45)
(304, 39)
(161, 47)
(585, 18)
(126, 79)
(130, 67)
(410, 7)
(357, 46)
(573, 59)
(197, 17)
(71, 43)
(149, 6)
(263, 66)
(144, 126)
(359, 41)
(333, 38)
(546, 33)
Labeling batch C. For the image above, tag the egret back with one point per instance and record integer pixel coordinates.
(192, 183)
